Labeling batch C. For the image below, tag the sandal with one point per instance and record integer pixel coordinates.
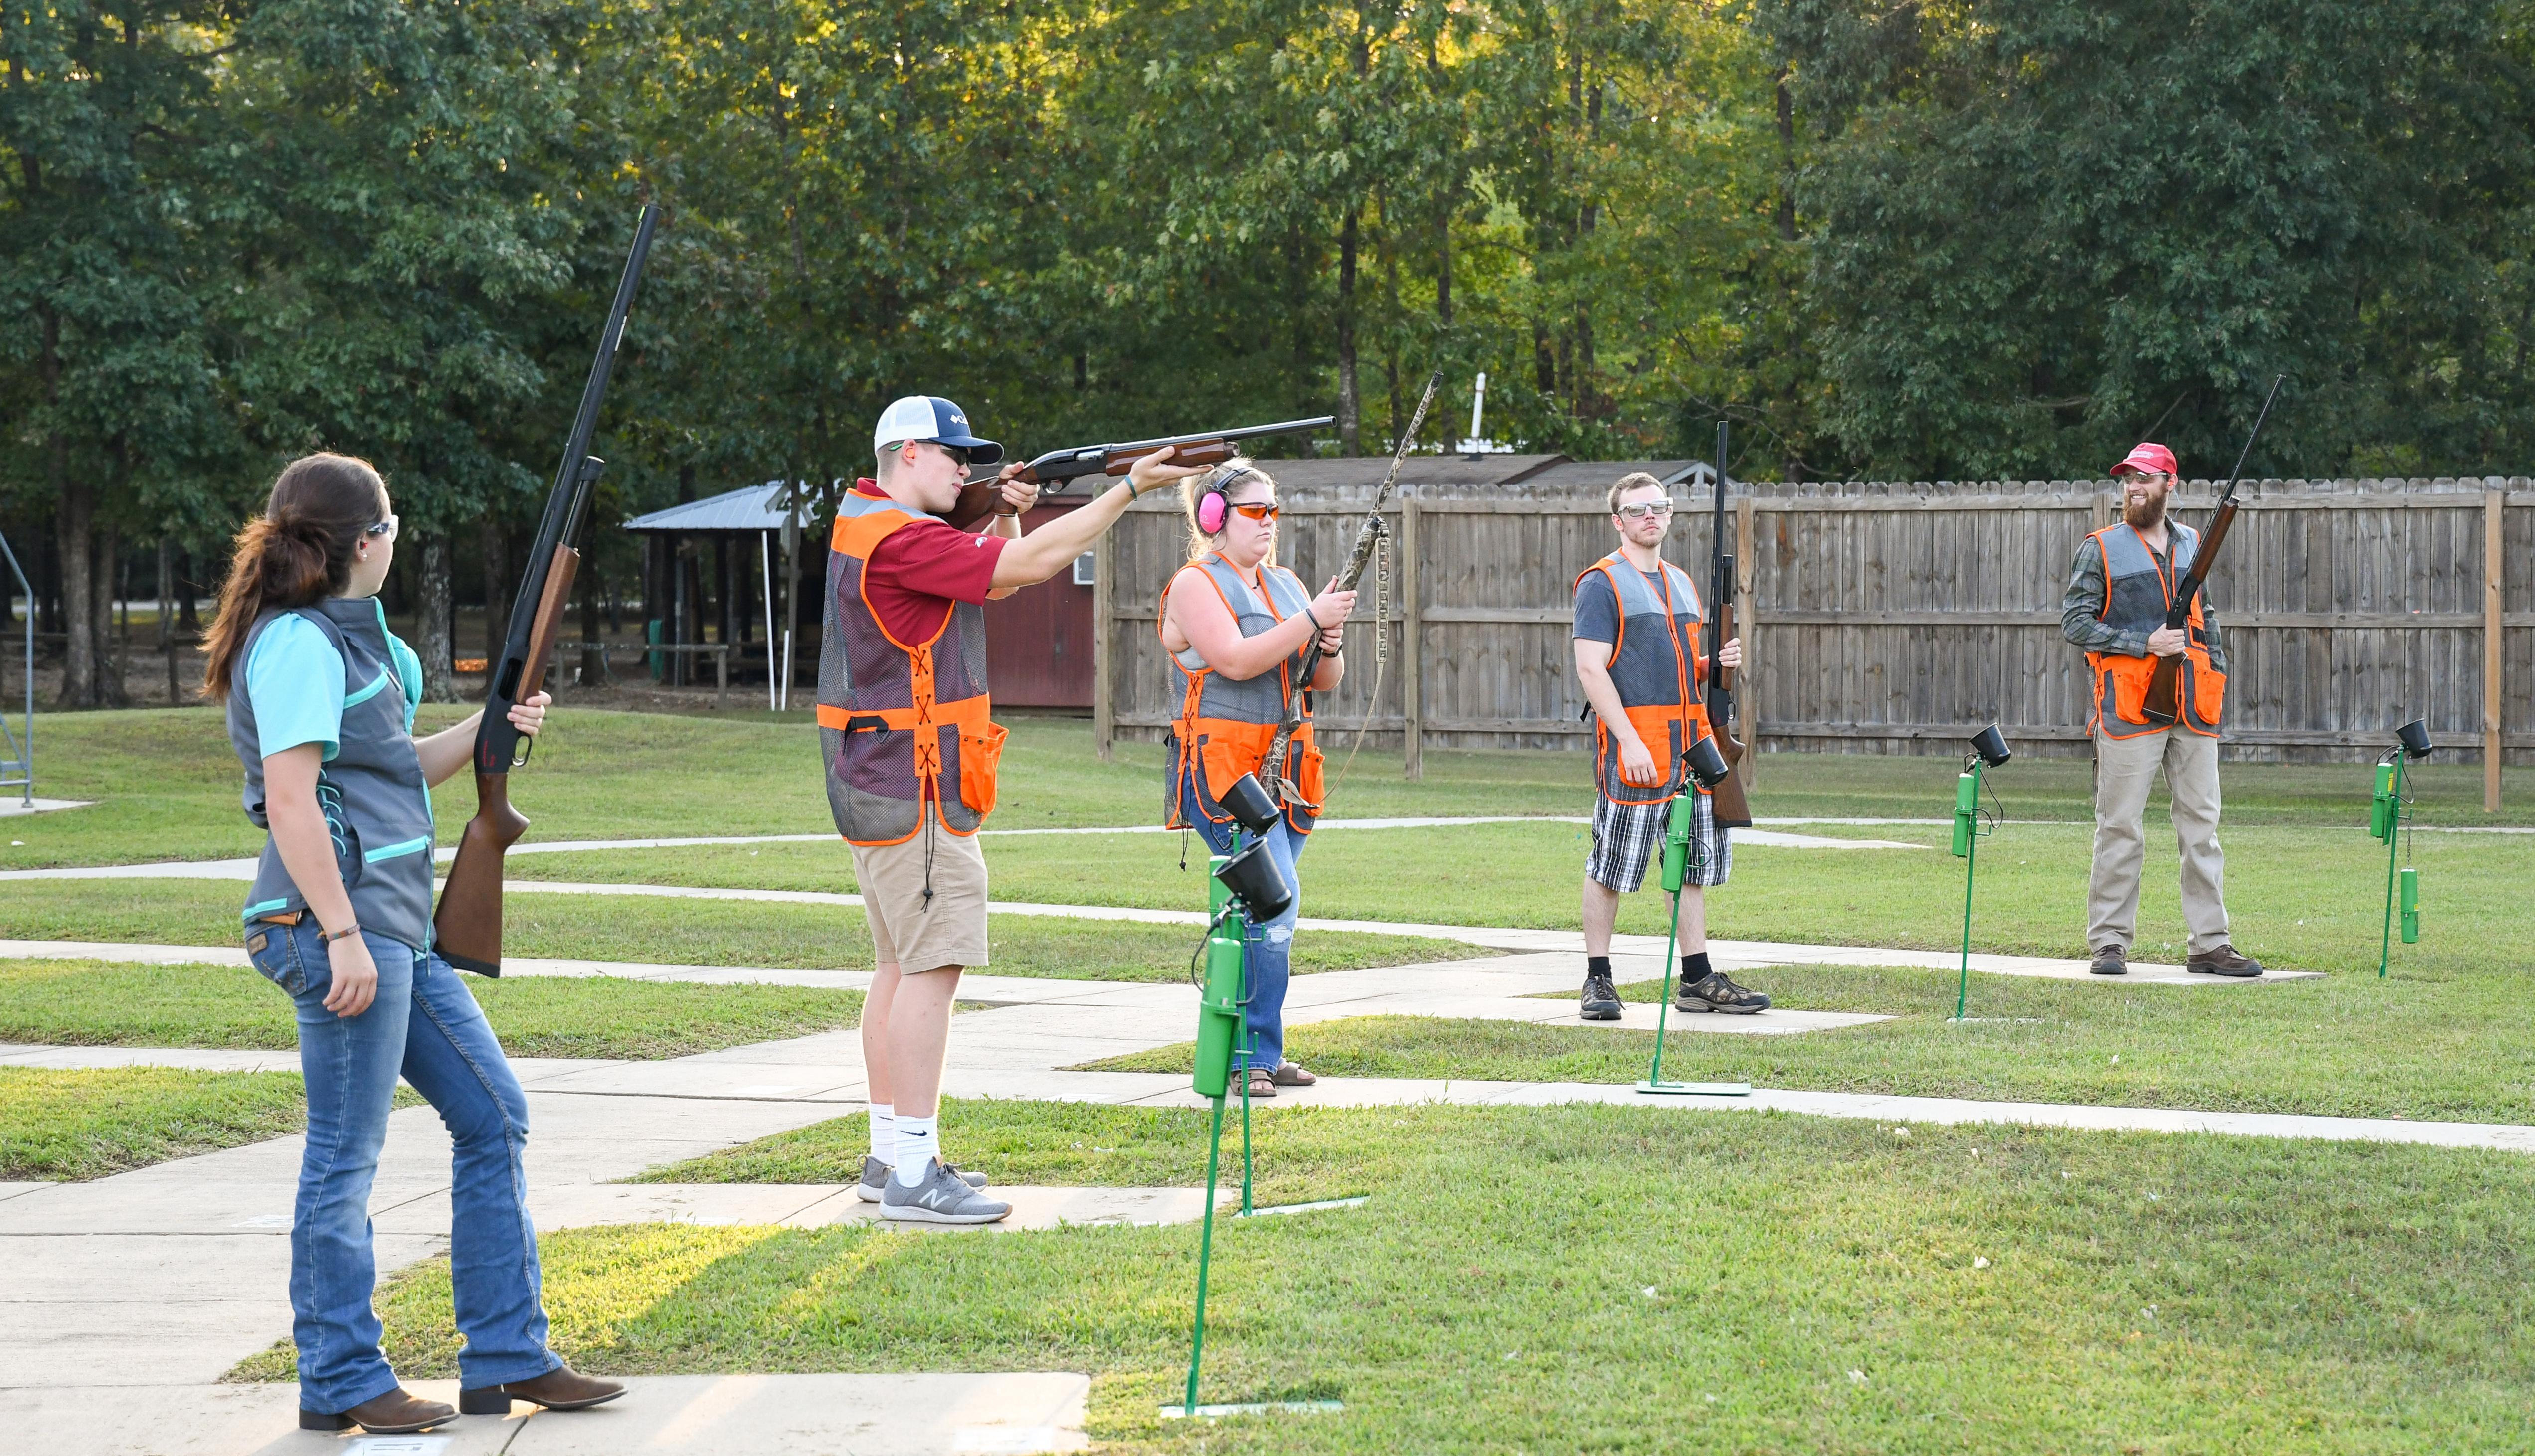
(1291, 1074)
(1262, 1082)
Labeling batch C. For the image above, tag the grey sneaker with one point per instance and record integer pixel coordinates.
(1716, 991)
(944, 1197)
(876, 1178)
(2109, 960)
(1599, 1002)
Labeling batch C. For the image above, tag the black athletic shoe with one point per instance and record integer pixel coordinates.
(1716, 991)
(2109, 960)
(1600, 1002)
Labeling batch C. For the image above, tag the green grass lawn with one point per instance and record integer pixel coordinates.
(2449, 1049)
(1590, 1278)
(681, 932)
(104, 1004)
(89, 1123)
(166, 785)
(2306, 897)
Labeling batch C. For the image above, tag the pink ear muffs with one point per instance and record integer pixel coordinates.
(1212, 508)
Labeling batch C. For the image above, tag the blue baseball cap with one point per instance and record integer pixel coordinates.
(931, 418)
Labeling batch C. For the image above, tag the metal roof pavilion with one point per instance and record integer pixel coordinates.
(751, 508)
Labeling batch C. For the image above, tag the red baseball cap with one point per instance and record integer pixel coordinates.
(2147, 460)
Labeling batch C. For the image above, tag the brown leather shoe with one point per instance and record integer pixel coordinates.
(399, 1412)
(562, 1388)
(2223, 961)
(2109, 960)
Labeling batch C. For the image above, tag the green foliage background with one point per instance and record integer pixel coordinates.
(1979, 238)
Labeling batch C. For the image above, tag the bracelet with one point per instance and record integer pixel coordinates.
(353, 929)
(1314, 621)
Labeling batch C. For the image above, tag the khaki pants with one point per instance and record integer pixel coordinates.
(2124, 769)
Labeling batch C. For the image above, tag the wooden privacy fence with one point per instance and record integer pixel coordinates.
(1897, 619)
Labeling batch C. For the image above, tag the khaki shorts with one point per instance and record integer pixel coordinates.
(909, 932)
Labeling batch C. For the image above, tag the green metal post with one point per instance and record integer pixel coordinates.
(1205, 1255)
(2394, 838)
(1972, 856)
(1663, 1010)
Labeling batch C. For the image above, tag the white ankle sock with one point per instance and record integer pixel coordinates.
(884, 1131)
(919, 1142)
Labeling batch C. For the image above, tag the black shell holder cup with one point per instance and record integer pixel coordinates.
(1706, 764)
(1252, 874)
(1992, 746)
(2415, 736)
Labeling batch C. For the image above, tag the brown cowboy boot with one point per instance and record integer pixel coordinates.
(562, 1388)
(399, 1412)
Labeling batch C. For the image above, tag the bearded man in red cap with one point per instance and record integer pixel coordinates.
(2120, 590)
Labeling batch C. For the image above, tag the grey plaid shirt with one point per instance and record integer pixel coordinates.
(2082, 610)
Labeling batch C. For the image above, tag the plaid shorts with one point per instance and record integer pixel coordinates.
(1627, 837)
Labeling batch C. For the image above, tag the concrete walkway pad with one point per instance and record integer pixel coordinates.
(822, 1414)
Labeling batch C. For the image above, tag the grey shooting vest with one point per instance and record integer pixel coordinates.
(1654, 668)
(377, 805)
(2137, 595)
(1224, 728)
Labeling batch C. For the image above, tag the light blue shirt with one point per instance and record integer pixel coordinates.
(294, 677)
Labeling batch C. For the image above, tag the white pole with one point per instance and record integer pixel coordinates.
(766, 562)
(1478, 410)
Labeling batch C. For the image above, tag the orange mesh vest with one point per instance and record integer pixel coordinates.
(899, 720)
(1224, 727)
(1657, 667)
(2136, 595)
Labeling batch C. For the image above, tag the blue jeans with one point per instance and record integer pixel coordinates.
(426, 1027)
(1271, 943)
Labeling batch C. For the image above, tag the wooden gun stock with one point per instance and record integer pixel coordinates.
(467, 926)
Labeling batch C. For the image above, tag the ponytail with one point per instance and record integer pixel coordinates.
(297, 552)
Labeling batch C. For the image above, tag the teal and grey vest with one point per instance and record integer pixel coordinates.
(376, 803)
(1224, 728)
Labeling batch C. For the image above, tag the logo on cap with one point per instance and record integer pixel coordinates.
(2148, 458)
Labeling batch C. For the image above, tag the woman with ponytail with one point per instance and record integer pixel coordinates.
(1236, 626)
(320, 705)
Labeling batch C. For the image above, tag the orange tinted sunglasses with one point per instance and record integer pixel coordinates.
(1258, 513)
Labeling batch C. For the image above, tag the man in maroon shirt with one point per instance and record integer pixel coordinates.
(905, 629)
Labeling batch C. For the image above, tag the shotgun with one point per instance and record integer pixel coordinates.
(1272, 769)
(2164, 704)
(1058, 466)
(466, 928)
(1733, 808)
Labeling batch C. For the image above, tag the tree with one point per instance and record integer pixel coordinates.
(2045, 224)
(103, 273)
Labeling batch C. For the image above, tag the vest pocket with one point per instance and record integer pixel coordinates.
(980, 752)
(1311, 775)
(2130, 691)
(2208, 695)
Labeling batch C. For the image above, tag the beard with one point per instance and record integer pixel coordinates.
(2143, 514)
